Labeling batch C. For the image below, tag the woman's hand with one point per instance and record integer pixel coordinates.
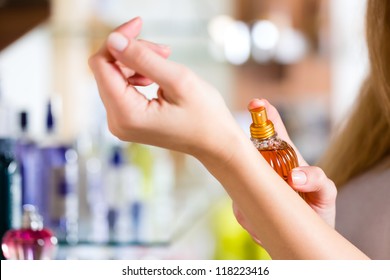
(188, 115)
(319, 191)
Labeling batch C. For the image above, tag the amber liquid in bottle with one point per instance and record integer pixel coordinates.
(278, 153)
(281, 158)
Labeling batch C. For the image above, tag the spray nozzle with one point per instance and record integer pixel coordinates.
(261, 127)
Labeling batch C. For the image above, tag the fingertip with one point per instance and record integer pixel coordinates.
(136, 21)
(256, 103)
(130, 28)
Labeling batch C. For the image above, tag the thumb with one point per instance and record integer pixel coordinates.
(312, 179)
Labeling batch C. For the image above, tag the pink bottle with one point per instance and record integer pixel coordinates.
(32, 241)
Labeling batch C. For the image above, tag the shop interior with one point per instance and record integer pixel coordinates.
(131, 201)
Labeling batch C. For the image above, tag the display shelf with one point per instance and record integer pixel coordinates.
(195, 194)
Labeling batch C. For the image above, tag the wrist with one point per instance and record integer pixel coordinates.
(221, 150)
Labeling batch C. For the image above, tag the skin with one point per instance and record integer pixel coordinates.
(190, 116)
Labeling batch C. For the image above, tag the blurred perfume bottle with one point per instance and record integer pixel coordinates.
(10, 202)
(10, 197)
(163, 194)
(118, 198)
(152, 193)
(31, 241)
(93, 224)
(141, 192)
(58, 179)
(27, 157)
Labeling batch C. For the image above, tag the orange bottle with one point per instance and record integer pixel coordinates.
(278, 153)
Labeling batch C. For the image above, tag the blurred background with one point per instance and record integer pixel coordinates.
(105, 199)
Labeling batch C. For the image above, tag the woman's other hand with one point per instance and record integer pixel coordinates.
(319, 191)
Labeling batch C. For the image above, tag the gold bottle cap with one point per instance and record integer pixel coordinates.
(262, 127)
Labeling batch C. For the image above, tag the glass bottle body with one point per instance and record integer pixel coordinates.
(29, 244)
(278, 153)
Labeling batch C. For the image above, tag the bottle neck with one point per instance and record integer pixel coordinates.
(31, 219)
(260, 139)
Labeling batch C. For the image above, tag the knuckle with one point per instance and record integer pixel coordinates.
(319, 174)
(139, 54)
(322, 180)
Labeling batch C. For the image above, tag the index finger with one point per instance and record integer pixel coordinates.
(131, 29)
(168, 74)
(107, 74)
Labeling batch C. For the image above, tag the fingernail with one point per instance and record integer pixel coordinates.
(117, 41)
(298, 177)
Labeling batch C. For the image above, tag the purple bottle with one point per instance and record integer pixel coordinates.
(27, 159)
(58, 175)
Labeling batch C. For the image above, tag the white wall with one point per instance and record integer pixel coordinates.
(349, 63)
(25, 75)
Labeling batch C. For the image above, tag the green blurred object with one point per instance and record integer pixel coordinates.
(142, 157)
(232, 241)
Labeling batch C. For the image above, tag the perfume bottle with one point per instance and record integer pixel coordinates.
(10, 183)
(32, 241)
(26, 154)
(119, 200)
(278, 153)
(58, 183)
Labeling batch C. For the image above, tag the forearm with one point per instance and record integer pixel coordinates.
(288, 227)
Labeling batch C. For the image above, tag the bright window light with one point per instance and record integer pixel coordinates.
(265, 35)
(237, 43)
